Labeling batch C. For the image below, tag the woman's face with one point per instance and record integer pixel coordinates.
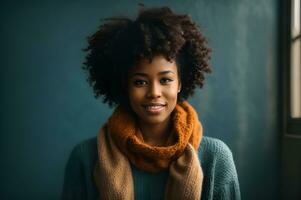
(153, 89)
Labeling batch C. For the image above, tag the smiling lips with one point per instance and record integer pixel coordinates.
(154, 108)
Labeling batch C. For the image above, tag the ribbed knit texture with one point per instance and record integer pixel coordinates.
(185, 128)
(120, 144)
(220, 176)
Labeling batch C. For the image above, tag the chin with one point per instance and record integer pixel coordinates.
(154, 120)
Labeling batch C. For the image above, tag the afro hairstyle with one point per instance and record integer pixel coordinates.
(120, 43)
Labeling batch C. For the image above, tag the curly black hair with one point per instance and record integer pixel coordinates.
(120, 43)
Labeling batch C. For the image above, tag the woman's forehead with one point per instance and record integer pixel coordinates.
(157, 63)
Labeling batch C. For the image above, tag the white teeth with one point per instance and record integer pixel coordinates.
(153, 107)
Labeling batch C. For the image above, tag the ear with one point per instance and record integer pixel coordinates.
(180, 86)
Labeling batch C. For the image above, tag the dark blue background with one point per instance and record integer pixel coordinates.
(47, 106)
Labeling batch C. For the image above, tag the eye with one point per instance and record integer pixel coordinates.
(165, 80)
(140, 82)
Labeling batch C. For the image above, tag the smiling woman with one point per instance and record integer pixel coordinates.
(152, 147)
(153, 89)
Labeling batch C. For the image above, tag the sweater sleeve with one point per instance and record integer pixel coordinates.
(220, 175)
(226, 179)
(228, 191)
(73, 186)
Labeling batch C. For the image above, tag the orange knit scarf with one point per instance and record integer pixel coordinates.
(120, 143)
(186, 128)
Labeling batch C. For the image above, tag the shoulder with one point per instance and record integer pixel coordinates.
(217, 161)
(86, 145)
(213, 148)
(78, 181)
(220, 176)
(82, 157)
(85, 151)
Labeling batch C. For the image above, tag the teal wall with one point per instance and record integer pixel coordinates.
(47, 106)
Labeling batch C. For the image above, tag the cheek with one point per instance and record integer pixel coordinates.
(172, 93)
(135, 95)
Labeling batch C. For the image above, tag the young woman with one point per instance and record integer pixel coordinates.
(152, 146)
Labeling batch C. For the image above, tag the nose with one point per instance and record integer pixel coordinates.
(154, 91)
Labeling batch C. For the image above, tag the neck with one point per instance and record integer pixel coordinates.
(155, 134)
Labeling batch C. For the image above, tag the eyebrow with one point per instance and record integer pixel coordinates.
(160, 73)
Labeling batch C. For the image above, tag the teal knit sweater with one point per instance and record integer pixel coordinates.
(220, 176)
